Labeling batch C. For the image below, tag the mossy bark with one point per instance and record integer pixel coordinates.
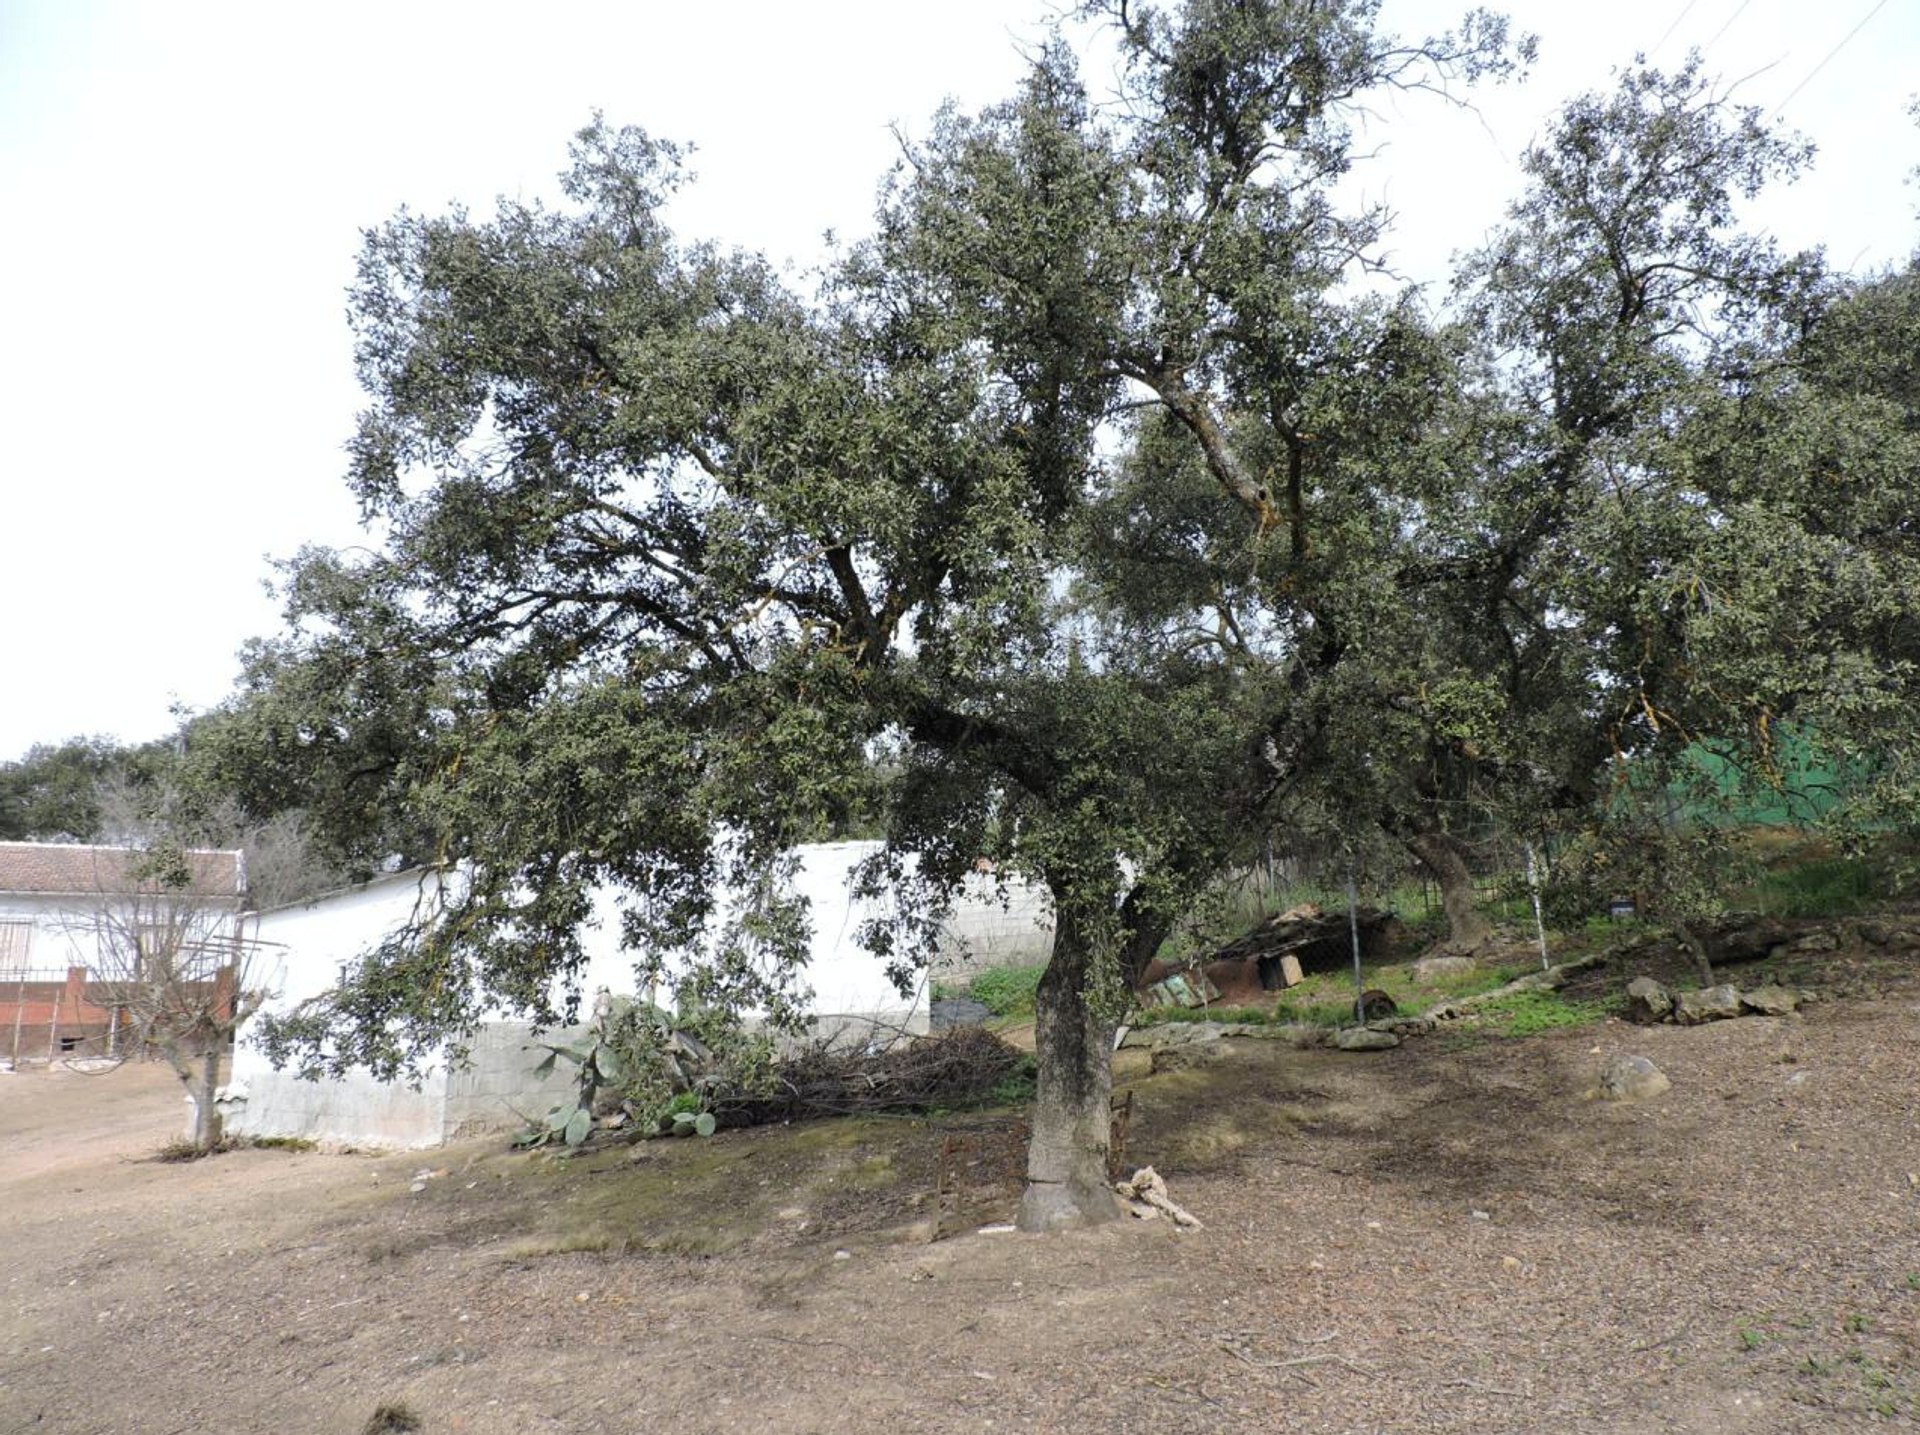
(1067, 1180)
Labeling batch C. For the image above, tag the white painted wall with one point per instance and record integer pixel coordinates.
(303, 950)
(301, 954)
(63, 928)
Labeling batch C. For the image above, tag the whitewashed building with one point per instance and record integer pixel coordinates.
(303, 949)
(66, 909)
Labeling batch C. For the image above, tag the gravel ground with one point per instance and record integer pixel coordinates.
(1446, 1237)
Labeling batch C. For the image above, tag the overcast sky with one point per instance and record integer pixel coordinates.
(184, 185)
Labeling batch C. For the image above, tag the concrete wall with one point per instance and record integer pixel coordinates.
(496, 1090)
(997, 924)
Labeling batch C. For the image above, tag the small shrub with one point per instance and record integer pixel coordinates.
(285, 1143)
(182, 1148)
(1016, 1087)
(392, 1418)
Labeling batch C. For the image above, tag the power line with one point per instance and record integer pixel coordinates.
(1739, 10)
(1844, 41)
(1685, 11)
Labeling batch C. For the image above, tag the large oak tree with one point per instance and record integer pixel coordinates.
(685, 550)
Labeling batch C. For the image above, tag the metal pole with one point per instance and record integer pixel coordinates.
(1353, 930)
(19, 1011)
(1539, 926)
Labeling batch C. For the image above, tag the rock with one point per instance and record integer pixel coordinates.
(1632, 1078)
(1290, 973)
(1257, 1030)
(1648, 1001)
(1712, 1004)
(1770, 1000)
(1183, 1058)
(1432, 969)
(1875, 934)
(1175, 1033)
(1746, 937)
(1403, 1025)
(1815, 942)
(1376, 1005)
(1361, 1038)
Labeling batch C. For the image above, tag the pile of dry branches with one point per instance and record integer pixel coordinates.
(952, 1069)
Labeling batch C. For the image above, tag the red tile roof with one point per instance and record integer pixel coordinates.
(71, 868)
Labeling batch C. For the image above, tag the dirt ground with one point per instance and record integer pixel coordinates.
(1446, 1237)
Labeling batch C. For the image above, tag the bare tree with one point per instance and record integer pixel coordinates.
(173, 950)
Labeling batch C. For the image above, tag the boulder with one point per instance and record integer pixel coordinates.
(1361, 1038)
(1815, 942)
(1745, 937)
(1648, 1001)
(1184, 1058)
(1875, 934)
(1632, 1078)
(1770, 1000)
(1431, 969)
(1711, 1004)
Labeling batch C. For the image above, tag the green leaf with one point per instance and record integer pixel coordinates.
(578, 1125)
(559, 1116)
(607, 1062)
(545, 1068)
(704, 1124)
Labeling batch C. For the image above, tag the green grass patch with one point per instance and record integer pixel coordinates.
(1825, 887)
(1006, 991)
(1529, 1013)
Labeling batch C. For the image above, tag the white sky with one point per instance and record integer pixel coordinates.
(184, 184)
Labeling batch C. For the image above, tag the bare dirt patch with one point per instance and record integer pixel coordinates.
(1446, 1237)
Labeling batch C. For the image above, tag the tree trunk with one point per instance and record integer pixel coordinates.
(1067, 1182)
(206, 1122)
(1696, 943)
(1440, 855)
(201, 1083)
